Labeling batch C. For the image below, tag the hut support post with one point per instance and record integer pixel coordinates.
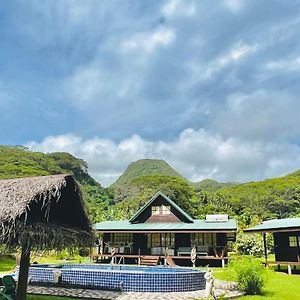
(265, 246)
(23, 274)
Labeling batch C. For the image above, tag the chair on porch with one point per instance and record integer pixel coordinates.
(9, 290)
(129, 247)
(107, 247)
(156, 251)
(203, 250)
(184, 251)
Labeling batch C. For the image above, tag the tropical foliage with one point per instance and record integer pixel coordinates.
(18, 162)
(250, 275)
(145, 167)
(141, 189)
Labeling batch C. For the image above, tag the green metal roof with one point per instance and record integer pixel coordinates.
(189, 218)
(292, 224)
(197, 225)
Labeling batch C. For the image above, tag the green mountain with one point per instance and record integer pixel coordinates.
(20, 162)
(255, 201)
(145, 167)
(210, 185)
(276, 197)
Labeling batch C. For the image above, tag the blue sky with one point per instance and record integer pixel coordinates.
(210, 86)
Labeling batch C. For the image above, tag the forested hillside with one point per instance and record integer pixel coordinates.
(20, 162)
(270, 198)
(249, 202)
(145, 167)
(210, 185)
(141, 189)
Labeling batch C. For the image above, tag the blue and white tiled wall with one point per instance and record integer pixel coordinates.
(126, 278)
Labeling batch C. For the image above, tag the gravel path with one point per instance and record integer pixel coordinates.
(228, 289)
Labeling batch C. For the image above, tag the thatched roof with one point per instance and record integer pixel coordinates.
(46, 212)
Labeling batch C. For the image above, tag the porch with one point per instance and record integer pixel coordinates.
(161, 259)
(211, 247)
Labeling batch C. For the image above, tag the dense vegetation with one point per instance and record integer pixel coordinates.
(210, 185)
(249, 202)
(145, 167)
(249, 273)
(20, 162)
(271, 198)
(141, 189)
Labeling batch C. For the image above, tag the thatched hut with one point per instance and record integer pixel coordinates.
(42, 213)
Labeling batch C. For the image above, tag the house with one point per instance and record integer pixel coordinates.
(286, 233)
(162, 229)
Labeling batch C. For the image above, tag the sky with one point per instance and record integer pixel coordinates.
(210, 86)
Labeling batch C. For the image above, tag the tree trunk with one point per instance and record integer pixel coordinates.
(23, 274)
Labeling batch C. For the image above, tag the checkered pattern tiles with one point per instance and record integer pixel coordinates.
(125, 278)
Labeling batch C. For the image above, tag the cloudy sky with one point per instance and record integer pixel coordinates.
(210, 86)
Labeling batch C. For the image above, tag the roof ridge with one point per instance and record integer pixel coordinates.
(147, 204)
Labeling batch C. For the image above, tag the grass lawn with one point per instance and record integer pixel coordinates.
(278, 286)
(7, 263)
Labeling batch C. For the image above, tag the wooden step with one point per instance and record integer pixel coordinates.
(149, 260)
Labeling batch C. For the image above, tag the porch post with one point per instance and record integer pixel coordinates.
(298, 248)
(265, 246)
(139, 258)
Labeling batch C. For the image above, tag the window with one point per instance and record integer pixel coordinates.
(161, 210)
(200, 239)
(166, 210)
(119, 238)
(293, 241)
(231, 237)
(154, 240)
(168, 240)
(161, 240)
(155, 210)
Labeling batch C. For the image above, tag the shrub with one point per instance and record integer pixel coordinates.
(250, 244)
(250, 275)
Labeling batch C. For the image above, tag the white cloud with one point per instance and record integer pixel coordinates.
(197, 154)
(85, 84)
(178, 7)
(285, 65)
(261, 115)
(234, 55)
(148, 41)
(234, 6)
(95, 87)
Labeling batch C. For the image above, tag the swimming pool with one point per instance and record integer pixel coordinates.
(120, 277)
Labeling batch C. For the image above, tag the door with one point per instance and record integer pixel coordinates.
(140, 243)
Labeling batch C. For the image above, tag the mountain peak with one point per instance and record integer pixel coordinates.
(144, 167)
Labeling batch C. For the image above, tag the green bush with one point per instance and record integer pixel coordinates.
(250, 244)
(250, 274)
